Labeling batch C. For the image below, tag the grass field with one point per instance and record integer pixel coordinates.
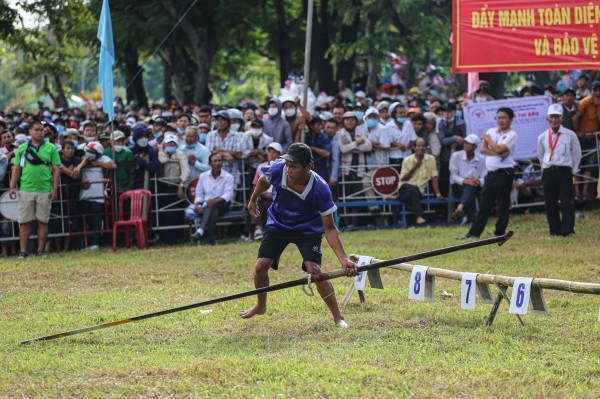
(394, 347)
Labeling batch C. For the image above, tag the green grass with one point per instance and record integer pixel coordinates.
(394, 347)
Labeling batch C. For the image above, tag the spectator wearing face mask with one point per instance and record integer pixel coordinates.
(123, 157)
(93, 191)
(183, 122)
(403, 136)
(237, 120)
(275, 126)
(203, 129)
(159, 129)
(196, 153)
(452, 132)
(255, 145)
(145, 158)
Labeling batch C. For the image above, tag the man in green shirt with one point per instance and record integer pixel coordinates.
(37, 166)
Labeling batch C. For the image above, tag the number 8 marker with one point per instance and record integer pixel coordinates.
(417, 285)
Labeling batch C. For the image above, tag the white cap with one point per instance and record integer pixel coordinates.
(472, 139)
(360, 93)
(555, 109)
(170, 138)
(276, 146)
(371, 111)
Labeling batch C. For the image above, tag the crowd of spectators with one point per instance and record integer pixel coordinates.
(350, 136)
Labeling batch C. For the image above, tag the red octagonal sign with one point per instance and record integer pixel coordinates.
(385, 181)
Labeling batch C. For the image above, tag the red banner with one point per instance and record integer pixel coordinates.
(525, 35)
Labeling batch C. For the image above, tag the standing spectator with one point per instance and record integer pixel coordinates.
(236, 119)
(570, 108)
(93, 192)
(434, 147)
(383, 111)
(159, 129)
(586, 124)
(36, 167)
(123, 157)
(197, 154)
(498, 146)
(452, 132)
(277, 127)
(145, 157)
(227, 143)
(255, 145)
(559, 154)
(467, 172)
(338, 113)
(214, 194)
(320, 145)
(354, 146)
(418, 170)
(331, 127)
(581, 86)
(402, 134)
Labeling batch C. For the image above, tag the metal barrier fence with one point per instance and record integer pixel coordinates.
(167, 211)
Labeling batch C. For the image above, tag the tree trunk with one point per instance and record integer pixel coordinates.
(321, 41)
(135, 90)
(283, 43)
(167, 78)
(373, 18)
(348, 34)
(61, 98)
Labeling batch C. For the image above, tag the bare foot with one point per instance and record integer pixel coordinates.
(420, 220)
(253, 311)
(341, 323)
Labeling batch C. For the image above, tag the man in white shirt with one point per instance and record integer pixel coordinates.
(214, 194)
(559, 153)
(467, 172)
(498, 146)
(402, 134)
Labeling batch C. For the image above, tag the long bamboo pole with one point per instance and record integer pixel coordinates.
(306, 280)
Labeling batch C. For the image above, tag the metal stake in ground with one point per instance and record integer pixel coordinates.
(294, 283)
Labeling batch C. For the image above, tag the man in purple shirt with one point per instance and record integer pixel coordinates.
(301, 212)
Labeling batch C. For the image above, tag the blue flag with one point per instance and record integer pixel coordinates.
(107, 60)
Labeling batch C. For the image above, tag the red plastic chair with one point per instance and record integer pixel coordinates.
(137, 218)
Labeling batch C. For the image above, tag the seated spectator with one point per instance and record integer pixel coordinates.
(145, 157)
(529, 185)
(197, 154)
(467, 171)
(320, 146)
(93, 191)
(417, 171)
(214, 194)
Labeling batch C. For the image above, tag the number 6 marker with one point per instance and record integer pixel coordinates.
(360, 281)
(519, 301)
(467, 291)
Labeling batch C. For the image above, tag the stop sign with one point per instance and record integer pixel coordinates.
(385, 181)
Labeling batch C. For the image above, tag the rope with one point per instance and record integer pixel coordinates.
(307, 288)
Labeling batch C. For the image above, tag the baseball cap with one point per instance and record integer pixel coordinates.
(569, 90)
(449, 107)
(360, 94)
(299, 152)
(159, 122)
(372, 111)
(383, 105)
(276, 146)
(472, 139)
(555, 109)
(413, 110)
(170, 138)
(104, 136)
(118, 135)
(349, 114)
(257, 122)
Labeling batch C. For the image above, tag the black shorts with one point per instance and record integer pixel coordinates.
(274, 243)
